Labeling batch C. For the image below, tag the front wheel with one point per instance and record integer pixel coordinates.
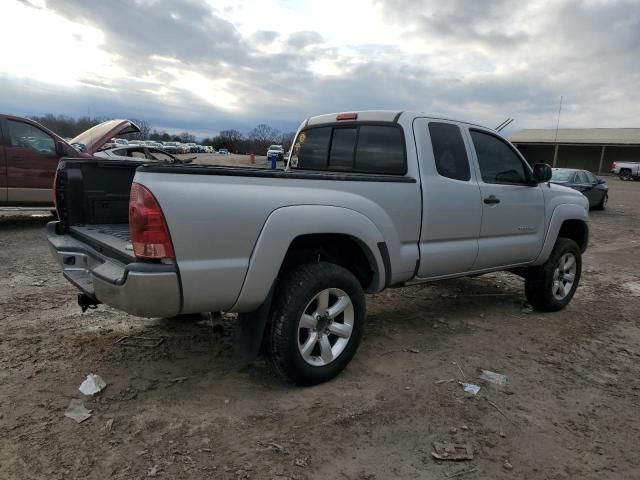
(551, 286)
(316, 322)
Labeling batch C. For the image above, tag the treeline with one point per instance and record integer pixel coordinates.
(69, 127)
(256, 141)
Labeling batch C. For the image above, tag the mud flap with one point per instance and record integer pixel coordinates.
(250, 330)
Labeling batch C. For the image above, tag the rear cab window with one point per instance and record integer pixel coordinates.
(377, 148)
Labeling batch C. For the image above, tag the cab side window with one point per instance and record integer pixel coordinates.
(497, 161)
(449, 151)
(27, 136)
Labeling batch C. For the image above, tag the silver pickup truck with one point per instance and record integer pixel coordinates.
(368, 200)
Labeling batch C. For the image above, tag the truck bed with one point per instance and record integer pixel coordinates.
(109, 238)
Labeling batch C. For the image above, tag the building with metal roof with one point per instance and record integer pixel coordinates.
(593, 149)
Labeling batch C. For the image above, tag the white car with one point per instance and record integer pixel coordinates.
(116, 142)
(277, 150)
(140, 152)
(171, 147)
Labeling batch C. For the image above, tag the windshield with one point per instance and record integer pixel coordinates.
(562, 175)
(275, 147)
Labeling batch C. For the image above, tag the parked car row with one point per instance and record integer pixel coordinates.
(141, 152)
(170, 147)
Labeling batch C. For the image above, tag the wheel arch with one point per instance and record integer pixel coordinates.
(298, 234)
(569, 221)
(576, 230)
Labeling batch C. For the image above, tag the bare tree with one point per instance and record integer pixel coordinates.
(65, 126)
(286, 139)
(186, 137)
(263, 134)
(232, 136)
(144, 133)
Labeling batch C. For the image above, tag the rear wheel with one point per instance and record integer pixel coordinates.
(551, 286)
(625, 174)
(316, 322)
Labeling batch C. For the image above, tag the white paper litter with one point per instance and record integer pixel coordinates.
(470, 388)
(76, 411)
(494, 377)
(92, 384)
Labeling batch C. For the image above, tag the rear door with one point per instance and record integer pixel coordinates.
(584, 185)
(31, 160)
(3, 167)
(512, 205)
(451, 205)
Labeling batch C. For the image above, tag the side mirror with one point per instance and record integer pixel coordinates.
(601, 181)
(61, 149)
(542, 172)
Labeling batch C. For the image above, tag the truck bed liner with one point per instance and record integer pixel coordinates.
(107, 238)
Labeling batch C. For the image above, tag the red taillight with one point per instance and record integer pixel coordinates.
(149, 232)
(347, 116)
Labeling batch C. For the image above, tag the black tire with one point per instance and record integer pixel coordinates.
(625, 174)
(294, 291)
(539, 282)
(603, 203)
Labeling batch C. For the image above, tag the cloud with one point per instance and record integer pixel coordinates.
(265, 37)
(183, 63)
(304, 39)
(487, 23)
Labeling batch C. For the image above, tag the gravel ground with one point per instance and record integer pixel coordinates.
(182, 410)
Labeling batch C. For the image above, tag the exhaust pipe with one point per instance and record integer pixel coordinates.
(87, 301)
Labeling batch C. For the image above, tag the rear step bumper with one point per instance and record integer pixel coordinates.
(141, 289)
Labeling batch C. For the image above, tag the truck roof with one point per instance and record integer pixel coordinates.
(378, 116)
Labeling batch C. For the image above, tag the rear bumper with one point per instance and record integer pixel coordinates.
(141, 289)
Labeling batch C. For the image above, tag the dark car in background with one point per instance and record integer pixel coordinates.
(594, 188)
(29, 154)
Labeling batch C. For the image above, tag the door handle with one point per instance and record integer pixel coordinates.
(491, 200)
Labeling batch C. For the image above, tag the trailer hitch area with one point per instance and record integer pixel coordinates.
(87, 302)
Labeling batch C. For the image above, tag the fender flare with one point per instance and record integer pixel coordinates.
(287, 223)
(561, 213)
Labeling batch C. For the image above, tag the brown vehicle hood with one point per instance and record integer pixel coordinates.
(94, 138)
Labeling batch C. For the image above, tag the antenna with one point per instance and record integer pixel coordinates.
(503, 125)
(558, 124)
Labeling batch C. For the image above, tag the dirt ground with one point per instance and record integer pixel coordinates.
(183, 410)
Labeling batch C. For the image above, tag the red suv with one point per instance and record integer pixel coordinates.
(29, 155)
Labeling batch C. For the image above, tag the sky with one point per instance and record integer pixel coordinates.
(210, 65)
